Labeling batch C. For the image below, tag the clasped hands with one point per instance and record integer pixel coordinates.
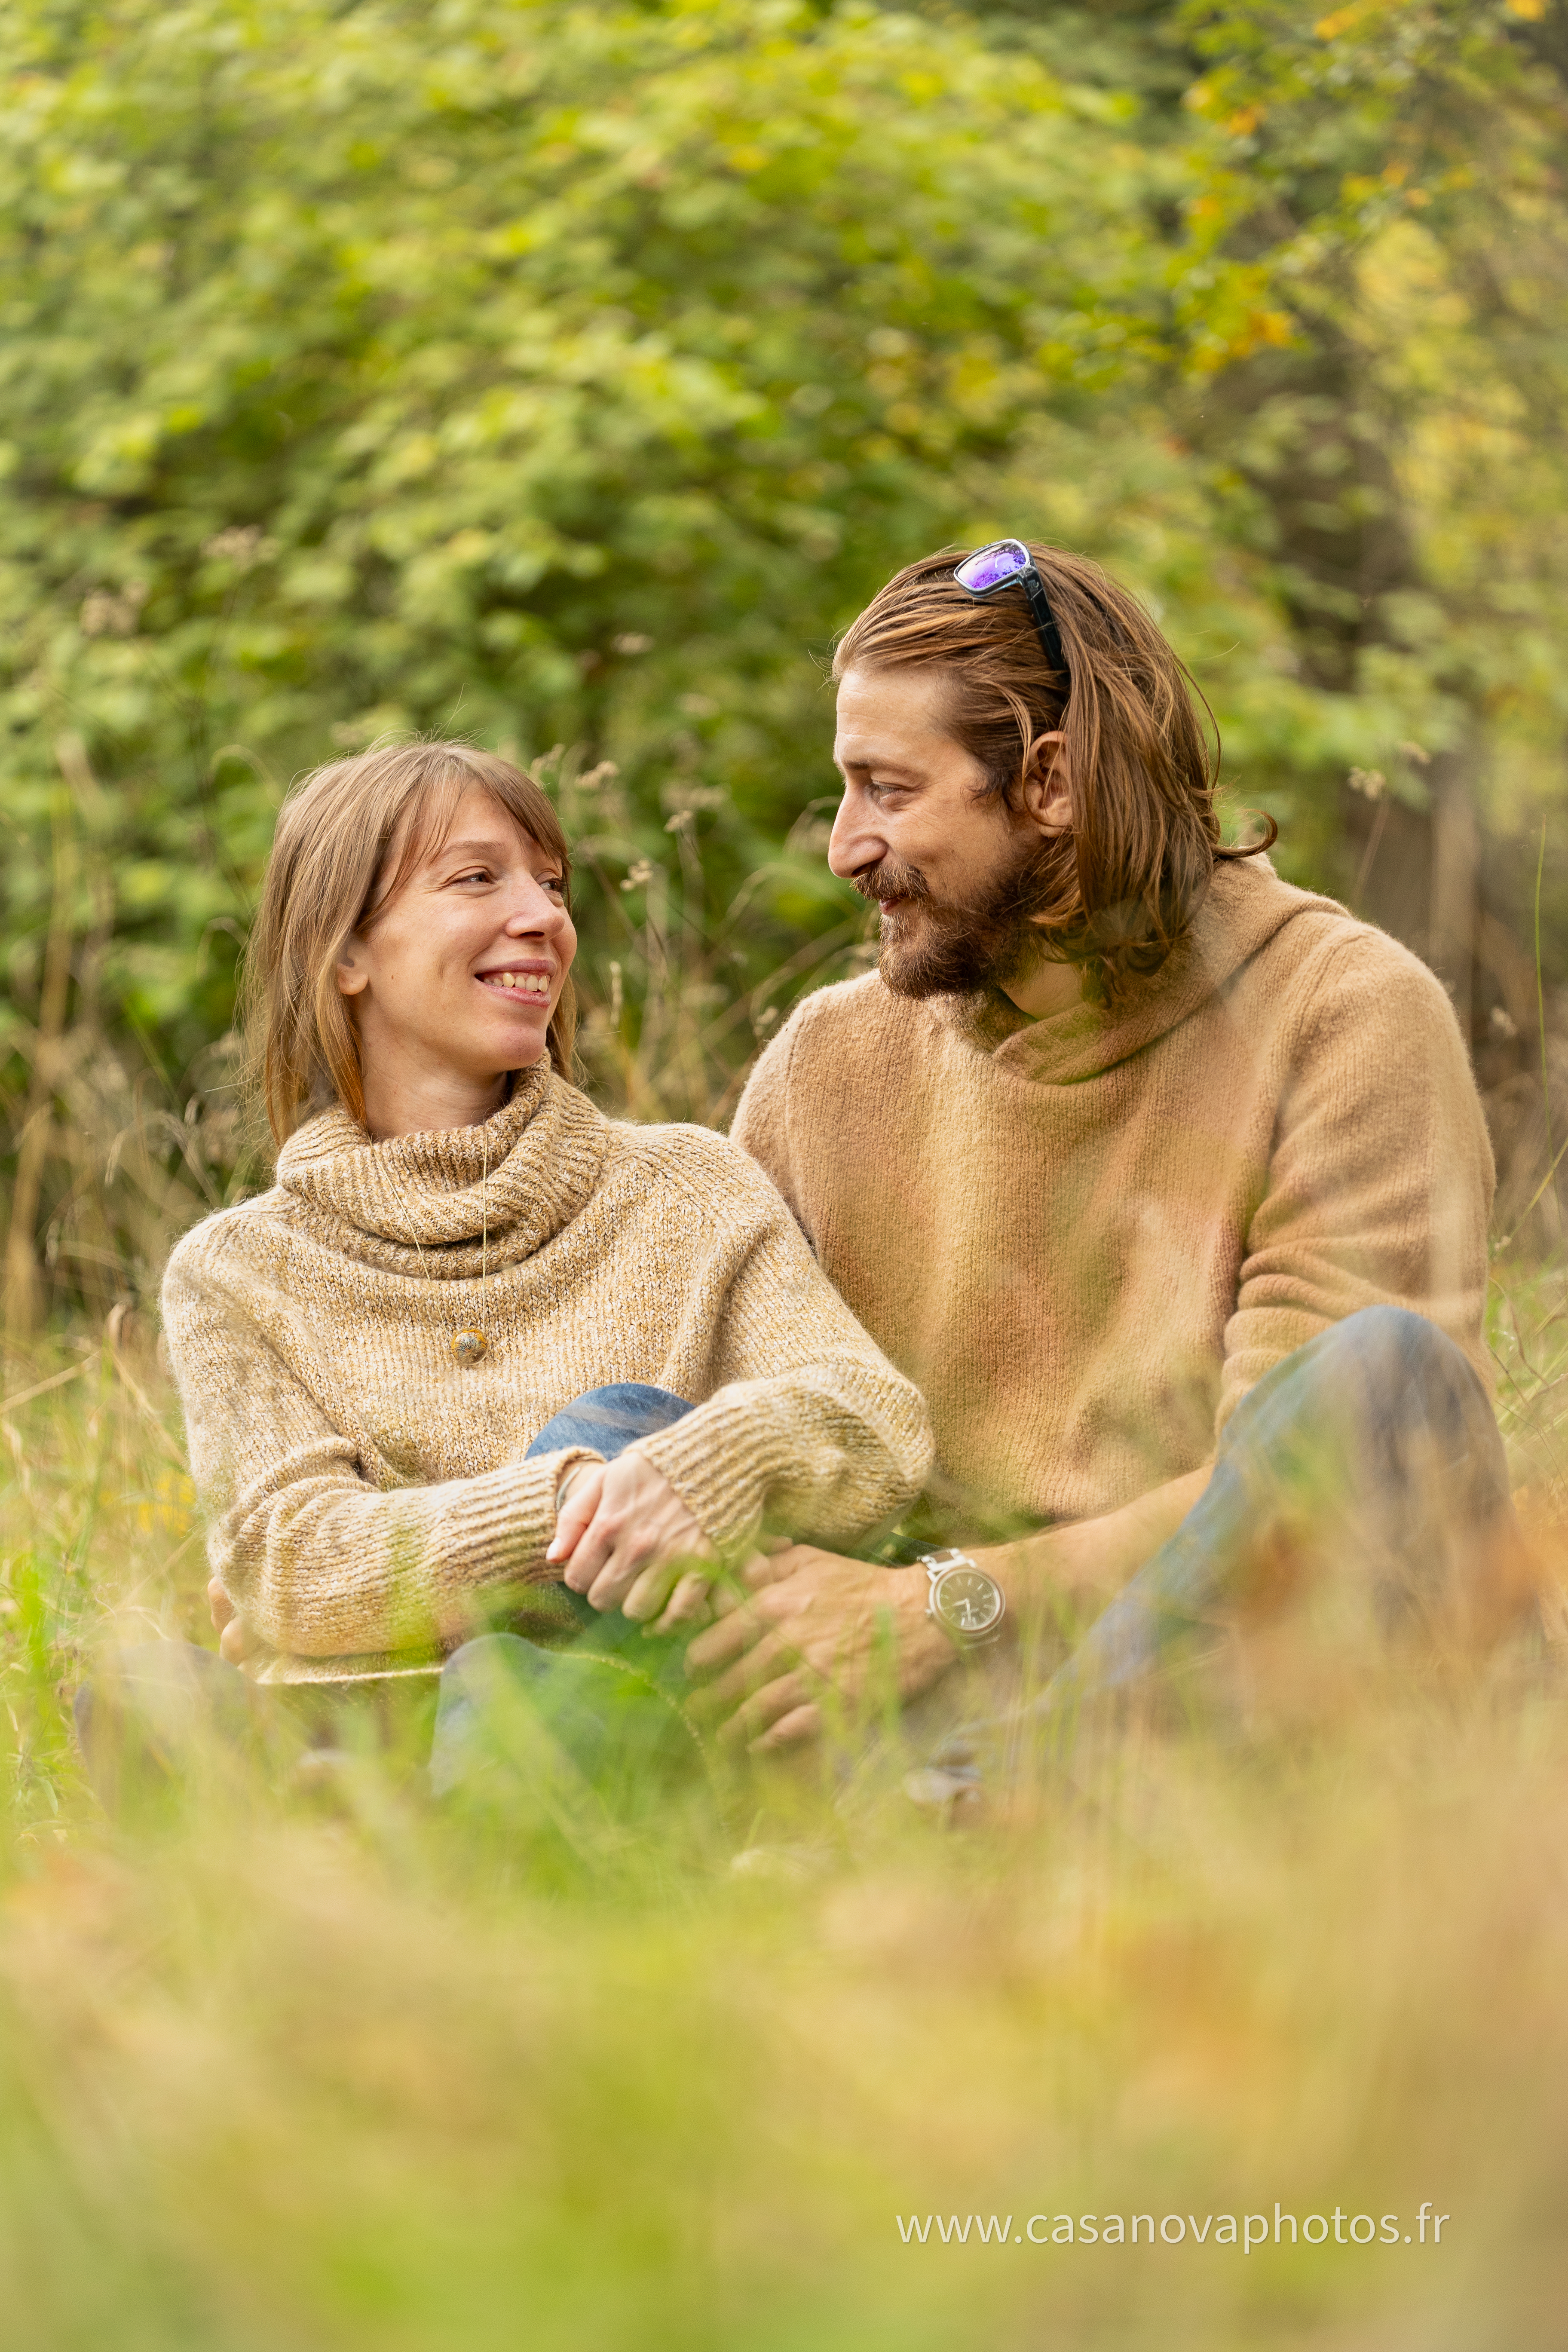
(797, 1620)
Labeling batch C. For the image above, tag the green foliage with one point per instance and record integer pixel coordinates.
(536, 372)
(568, 375)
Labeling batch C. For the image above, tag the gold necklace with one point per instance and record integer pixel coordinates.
(470, 1347)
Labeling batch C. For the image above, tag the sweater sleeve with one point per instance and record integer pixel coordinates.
(806, 1423)
(1380, 1181)
(319, 1562)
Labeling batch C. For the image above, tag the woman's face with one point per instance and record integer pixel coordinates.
(454, 984)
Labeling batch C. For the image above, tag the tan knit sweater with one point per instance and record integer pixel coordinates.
(1086, 1236)
(362, 1488)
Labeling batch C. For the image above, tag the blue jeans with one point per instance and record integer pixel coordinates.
(509, 1709)
(1377, 1439)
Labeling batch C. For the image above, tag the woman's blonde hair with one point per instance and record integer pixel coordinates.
(349, 836)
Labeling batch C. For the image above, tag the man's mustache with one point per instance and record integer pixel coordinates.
(891, 879)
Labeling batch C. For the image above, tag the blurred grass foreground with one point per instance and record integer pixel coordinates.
(294, 2066)
(565, 377)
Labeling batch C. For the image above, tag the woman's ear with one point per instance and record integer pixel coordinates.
(354, 973)
(1047, 786)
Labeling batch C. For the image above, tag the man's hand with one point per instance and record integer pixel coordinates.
(234, 1643)
(622, 1536)
(810, 1618)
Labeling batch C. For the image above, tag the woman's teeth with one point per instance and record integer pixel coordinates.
(526, 983)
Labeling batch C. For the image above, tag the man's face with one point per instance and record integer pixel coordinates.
(955, 874)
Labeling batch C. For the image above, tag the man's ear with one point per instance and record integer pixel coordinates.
(353, 974)
(1047, 786)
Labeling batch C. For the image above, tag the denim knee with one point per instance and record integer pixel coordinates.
(610, 1418)
(1384, 1359)
(1395, 1334)
(486, 1655)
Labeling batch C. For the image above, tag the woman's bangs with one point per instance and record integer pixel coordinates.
(424, 822)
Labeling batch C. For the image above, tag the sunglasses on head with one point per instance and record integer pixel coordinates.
(1008, 563)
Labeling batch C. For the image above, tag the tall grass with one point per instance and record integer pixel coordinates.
(297, 2065)
(284, 2071)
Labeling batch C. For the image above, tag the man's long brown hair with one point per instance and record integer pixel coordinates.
(349, 836)
(1117, 893)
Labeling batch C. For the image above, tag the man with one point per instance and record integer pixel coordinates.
(1167, 1182)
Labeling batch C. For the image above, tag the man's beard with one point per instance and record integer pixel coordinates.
(928, 948)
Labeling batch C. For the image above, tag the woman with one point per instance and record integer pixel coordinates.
(468, 1292)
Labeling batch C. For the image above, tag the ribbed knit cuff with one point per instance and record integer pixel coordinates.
(722, 1461)
(507, 1523)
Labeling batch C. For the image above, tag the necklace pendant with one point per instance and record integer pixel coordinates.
(468, 1347)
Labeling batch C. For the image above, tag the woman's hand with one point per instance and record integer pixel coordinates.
(810, 1618)
(234, 1643)
(623, 1536)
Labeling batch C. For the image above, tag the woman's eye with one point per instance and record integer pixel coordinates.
(479, 874)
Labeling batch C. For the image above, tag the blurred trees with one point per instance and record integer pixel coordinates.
(568, 375)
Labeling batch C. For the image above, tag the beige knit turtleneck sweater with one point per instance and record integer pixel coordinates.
(1085, 1237)
(363, 1489)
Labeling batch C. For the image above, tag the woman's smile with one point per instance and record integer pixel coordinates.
(518, 980)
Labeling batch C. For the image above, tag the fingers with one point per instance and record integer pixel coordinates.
(218, 1601)
(739, 1627)
(606, 1538)
(235, 1642)
(753, 1573)
(648, 1562)
(801, 1723)
(771, 1564)
(653, 1588)
(609, 1523)
(771, 1656)
(576, 1511)
(773, 1704)
(690, 1604)
(638, 1524)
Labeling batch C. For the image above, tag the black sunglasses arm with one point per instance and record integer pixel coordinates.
(1045, 620)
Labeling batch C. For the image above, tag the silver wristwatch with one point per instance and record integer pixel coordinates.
(968, 1604)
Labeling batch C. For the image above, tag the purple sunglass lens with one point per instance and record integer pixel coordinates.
(993, 566)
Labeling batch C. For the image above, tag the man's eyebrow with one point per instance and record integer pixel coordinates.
(858, 759)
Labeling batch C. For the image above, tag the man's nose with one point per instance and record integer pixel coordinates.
(855, 841)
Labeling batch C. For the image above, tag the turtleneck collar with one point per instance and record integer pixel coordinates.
(450, 1202)
(1245, 904)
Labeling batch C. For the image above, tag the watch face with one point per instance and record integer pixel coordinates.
(967, 1600)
